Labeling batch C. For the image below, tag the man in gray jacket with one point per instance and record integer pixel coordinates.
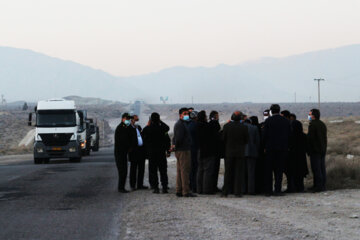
(182, 146)
(251, 155)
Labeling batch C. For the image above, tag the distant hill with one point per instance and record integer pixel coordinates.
(265, 80)
(27, 75)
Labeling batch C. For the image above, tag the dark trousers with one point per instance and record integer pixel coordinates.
(122, 167)
(319, 171)
(260, 174)
(299, 183)
(233, 175)
(274, 163)
(137, 167)
(216, 172)
(158, 162)
(249, 175)
(205, 181)
(194, 169)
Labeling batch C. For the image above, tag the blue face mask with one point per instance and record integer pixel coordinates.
(186, 118)
(127, 122)
(309, 118)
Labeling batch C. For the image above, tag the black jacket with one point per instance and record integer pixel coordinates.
(235, 137)
(156, 137)
(216, 144)
(182, 137)
(317, 138)
(122, 139)
(133, 137)
(277, 133)
(297, 164)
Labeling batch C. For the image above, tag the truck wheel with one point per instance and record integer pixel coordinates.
(37, 160)
(46, 160)
(96, 148)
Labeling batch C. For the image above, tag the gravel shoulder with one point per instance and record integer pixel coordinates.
(329, 215)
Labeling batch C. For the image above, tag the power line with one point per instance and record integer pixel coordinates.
(318, 80)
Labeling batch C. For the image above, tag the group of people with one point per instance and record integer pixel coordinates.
(256, 155)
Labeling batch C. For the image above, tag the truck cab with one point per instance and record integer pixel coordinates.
(56, 135)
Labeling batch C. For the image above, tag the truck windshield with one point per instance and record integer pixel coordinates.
(56, 118)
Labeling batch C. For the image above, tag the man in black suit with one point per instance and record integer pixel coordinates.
(157, 143)
(276, 137)
(235, 136)
(136, 155)
(122, 146)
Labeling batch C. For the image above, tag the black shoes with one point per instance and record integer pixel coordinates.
(190, 195)
(224, 195)
(165, 190)
(143, 187)
(123, 190)
(179, 194)
(156, 190)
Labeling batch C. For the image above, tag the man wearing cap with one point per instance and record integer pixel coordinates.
(193, 128)
(276, 137)
(136, 155)
(122, 146)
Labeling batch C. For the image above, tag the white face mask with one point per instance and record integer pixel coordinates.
(271, 113)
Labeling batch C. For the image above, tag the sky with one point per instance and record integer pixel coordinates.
(134, 37)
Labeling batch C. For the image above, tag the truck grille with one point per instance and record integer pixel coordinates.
(56, 139)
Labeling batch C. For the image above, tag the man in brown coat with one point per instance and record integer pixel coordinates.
(235, 136)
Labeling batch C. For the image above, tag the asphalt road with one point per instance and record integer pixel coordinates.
(60, 200)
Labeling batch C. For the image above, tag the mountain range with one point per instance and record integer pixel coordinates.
(27, 75)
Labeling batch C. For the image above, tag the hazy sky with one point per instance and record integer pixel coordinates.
(140, 36)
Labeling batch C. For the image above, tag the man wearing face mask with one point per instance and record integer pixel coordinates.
(317, 145)
(122, 146)
(136, 155)
(182, 146)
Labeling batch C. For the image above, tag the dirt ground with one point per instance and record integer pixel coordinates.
(328, 215)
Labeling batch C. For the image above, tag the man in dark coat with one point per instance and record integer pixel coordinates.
(122, 146)
(289, 161)
(235, 136)
(182, 147)
(193, 128)
(298, 166)
(157, 143)
(214, 127)
(251, 155)
(208, 155)
(136, 155)
(260, 163)
(276, 137)
(317, 145)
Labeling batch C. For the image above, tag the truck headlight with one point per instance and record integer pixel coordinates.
(82, 145)
(72, 149)
(40, 150)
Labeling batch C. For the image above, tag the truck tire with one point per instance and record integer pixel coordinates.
(37, 160)
(46, 160)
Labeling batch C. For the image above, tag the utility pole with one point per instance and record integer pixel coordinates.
(295, 97)
(318, 80)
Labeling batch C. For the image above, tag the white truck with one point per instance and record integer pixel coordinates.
(57, 131)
